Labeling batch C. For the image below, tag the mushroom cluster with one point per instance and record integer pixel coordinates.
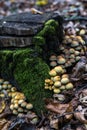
(72, 48)
(18, 104)
(59, 80)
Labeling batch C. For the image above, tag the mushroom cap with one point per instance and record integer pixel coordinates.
(11, 106)
(53, 63)
(56, 78)
(69, 86)
(23, 104)
(16, 106)
(20, 109)
(47, 81)
(4, 86)
(6, 82)
(61, 61)
(52, 58)
(52, 73)
(65, 76)
(71, 50)
(78, 58)
(1, 81)
(58, 69)
(9, 85)
(82, 32)
(56, 90)
(62, 87)
(20, 101)
(77, 53)
(64, 80)
(15, 112)
(74, 44)
(13, 89)
(57, 84)
(29, 106)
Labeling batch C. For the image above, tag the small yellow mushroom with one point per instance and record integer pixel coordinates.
(11, 107)
(13, 89)
(16, 106)
(53, 58)
(62, 87)
(53, 63)
(47, 81)
(56, 78)
(74, 44)
(20, 101)
(20, 109)
(57, 84)
(58, 69)
(69, 86)
(29, 106)
(1, 81)
(64, 80)
(65, 76)
(4, 86)
(56, 90)
(78, 58)
(9, 86)
(52, 73)
(72, 50)
(15, 112)
(61, 61)
(23, 104)
(82, 32)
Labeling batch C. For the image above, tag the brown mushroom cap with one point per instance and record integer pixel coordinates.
(52, 58)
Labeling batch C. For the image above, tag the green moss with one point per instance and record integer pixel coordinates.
(30, 72)
(46, 31)
(6, 63)
(53, 23)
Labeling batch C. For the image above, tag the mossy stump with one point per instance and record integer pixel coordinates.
(28, 66)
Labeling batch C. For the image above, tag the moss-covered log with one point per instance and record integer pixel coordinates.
(29, 71)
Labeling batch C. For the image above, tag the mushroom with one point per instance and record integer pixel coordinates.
(57, 84)
(82, 32)
(53, 63)
(64, 80)
(72, 50)
(23, 104)
(29, 106)
(65, 76)
(1, 81)
(69, 86)
(15, 112)
(52, 58)
(6, 82)
(52, 73)
(74, 44)
(13, 89)
(56, 90)
(4, 86)
(78, 58)
(9, 86)
(61, 61)
(56, 78)
(20, 109)
(58, 69)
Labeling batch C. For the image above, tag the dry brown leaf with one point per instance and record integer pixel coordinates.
(57, 107)
(4, 124)
(80, 114)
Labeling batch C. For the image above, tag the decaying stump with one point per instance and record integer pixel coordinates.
(19, 30)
